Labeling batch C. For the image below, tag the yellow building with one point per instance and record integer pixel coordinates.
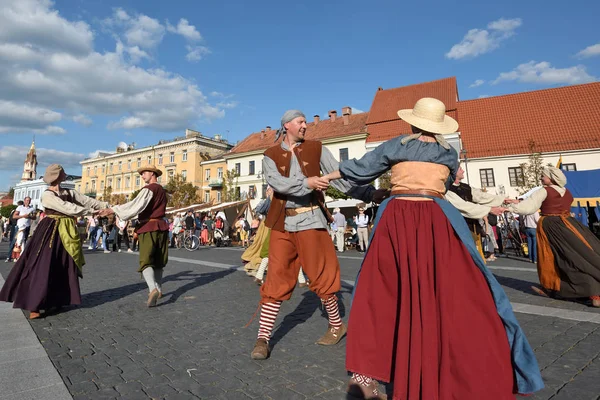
(212, 179)
(182, 155)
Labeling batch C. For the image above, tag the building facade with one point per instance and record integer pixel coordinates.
(30, 165)
(213, 172)
(35, 188)
(181, 156)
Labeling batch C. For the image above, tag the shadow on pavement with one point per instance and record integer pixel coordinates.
(196, 281)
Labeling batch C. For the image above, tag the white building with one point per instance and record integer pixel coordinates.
(35, 188)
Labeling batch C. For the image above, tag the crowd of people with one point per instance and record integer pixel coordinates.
(426, 313)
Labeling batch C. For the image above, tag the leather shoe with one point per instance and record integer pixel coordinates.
(357, 391)
(333, 335)
(152, 298)
(261, 350)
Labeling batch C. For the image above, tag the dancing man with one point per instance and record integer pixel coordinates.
(152, 229)
(298, 220)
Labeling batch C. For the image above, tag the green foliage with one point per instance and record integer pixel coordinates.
(11, 192)
(531, 172)
(230, 183)
(6, 210)
(385, 181)
(107, 193)
(335, 194)
(181, 193)
(134, 194)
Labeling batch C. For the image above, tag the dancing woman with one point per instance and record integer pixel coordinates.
(46, 275)
(427, 314)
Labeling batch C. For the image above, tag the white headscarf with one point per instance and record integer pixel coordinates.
(556, 175)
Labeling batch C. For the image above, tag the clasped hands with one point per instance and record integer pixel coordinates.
(322, 183)
(500, 209)
(104, 212)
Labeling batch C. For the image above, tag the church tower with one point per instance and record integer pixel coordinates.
(30, 166)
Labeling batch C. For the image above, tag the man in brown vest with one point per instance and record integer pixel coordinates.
(298, 220)
(152, 230)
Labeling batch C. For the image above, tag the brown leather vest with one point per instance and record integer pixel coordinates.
(309, 157)
(65, 197)
(555, 203)
(153, 217)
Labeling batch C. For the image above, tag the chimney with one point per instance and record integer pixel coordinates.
(262, 134)
(317, 119)
(267, 129)
(346, 112)
(332, 115)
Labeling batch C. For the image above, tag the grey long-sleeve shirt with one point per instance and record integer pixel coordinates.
(295, 187)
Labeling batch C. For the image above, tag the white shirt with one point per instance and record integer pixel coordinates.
(362, 221)
(24, 222)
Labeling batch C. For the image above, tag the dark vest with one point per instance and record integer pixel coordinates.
(555, 203)
(153, 217)
(464, 192)
(65, 197)
(309, 157)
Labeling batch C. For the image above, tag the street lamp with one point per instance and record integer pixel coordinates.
(463, 153)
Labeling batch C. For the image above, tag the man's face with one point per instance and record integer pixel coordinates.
(147, 176)
(296, 129)
(460, 174)
(26, 201)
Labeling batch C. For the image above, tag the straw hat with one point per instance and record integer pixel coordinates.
(53, 173)
(430, 115)
(150, 168)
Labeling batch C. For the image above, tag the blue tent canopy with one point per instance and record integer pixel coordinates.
(585, 188)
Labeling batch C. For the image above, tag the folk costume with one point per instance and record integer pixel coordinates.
(473, 204)
(426, 314)
(46, 275)
(568, 253)
(298, 221)
(152, 230)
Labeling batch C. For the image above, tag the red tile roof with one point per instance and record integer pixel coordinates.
(559, 119)
(325, 129)
(383, 122)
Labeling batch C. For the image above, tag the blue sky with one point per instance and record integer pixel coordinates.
(83, 75)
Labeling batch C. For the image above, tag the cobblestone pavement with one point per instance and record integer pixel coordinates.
(195, 344)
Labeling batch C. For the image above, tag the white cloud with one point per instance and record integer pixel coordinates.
(221, 95)
(356, 111)
(12, 158)
(590, 51)
(40, 75)
(544, 73)
(82, 119)
(184, 29)
(483, 96)
(477, 83)
(139, 30)
(195, 53)
(228, 104)
(481, 41)
(95, 153)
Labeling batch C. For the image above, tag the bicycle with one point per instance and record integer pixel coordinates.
(187, 240)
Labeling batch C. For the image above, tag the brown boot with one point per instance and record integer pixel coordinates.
(261, 350)
(34, 315)
(357, 391)
(333, 335)
(152, 298)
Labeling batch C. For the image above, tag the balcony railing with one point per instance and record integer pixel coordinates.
(216, 182)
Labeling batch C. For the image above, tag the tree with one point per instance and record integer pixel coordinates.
(11, 192)
(6, 210)
(117, 199)
(335, 194)
(134, 194)
(385, 180)
(107, 193)
(181, 193)
(230, 183)
(531, 172)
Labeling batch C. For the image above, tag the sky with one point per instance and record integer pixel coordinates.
(84, 75)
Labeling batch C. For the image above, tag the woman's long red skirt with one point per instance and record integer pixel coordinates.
(423, 316)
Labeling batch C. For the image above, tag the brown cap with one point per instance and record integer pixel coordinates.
(53, 173)
(150, 168)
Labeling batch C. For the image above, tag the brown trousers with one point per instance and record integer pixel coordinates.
(313, 251)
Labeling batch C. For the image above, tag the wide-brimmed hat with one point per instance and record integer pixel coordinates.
(429, 115)
(53, 173)
(150, 168)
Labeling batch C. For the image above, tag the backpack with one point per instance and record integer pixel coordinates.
(492, 219)
(11, 219)
(246, 226)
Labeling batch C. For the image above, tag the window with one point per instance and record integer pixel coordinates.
(139, 162)
(87, 187)
(264, 191)
(207, 196)
(251, 168)
(252, 191)
(95, 170)
(129, 163)
(118, 183)
(184, 175)
(110, 167)
(343, 154)
(160, 159)
(103, 168)
(172, 158)
(88, 171)
(569, 167)
(137, 181)
(207, 175)
(238, 193)
(515, 174)
(220, 172)
(93, 185)
(238, 169)
(184, 156)
(127, 182)
(149, 160)
(487, 177)
(110, 182)
(101, 185)
(171, 174)
(218, 197)
(120, 165)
